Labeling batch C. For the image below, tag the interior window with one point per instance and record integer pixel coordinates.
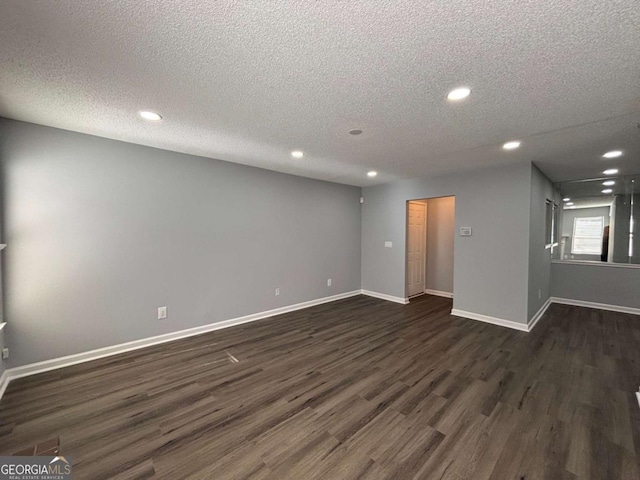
(588, 233)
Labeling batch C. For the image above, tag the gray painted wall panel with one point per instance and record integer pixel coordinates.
(490, 267)
(539, 257)
(618, 286)
(102, 233)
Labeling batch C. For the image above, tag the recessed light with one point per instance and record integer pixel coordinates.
(152, 116)
(511, 145)
(372, 173)
(357, 131)
(611, 171)
(459, 93)
(608, 183)
(297, 154)
(566, 199)
(607, 190)
(613, 154)
(569, 203)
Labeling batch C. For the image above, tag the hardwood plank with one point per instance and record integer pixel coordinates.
(359, 388)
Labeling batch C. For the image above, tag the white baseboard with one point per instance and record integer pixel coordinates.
(540, 313)
(53, 364)
(534, 320)
(438, 293)
(47, 365)
(523, 327)
(506, 323)
(599, 306)
(384, 296)
(4, 383)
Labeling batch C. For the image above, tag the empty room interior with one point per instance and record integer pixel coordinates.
(320, 240)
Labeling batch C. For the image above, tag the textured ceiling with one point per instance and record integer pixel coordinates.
(248, 82)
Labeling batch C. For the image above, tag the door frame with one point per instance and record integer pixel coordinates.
(406, 248)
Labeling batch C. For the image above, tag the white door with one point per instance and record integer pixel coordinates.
(416, 247)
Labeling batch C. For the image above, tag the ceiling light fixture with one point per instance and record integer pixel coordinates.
(372, 173)
(459, 94)
(357, 131)
(608, 183)
(611, 171)
(569, 203)
(566, 199)
(151, 116)
(297, 154)
(613, 154)
(607, 190)
(511, 145)
(572, 207)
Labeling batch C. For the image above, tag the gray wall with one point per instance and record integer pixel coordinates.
(600, 283)
(490, 267)
(102, 232)
(539, 257)
(440, 237)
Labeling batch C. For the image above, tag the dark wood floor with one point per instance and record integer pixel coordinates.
(359, 388)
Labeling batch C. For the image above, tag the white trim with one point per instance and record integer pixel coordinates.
(55, 363)
(594, 263)
(384, 296)
(599, 306)
(523, 327)
(534, 320)
(4, 382)
(2, 325)
(506, 323)
(438, 293)
(3, 246)
(638, 397)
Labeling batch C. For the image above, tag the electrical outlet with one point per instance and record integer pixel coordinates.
(5, 353)
(162, 313)
(329, 282)
(277, 292)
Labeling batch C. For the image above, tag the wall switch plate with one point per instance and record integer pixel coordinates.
(162, 313)
(277, 292)
(5, 353)
(465, 231)
(388, 244)
(329, 282)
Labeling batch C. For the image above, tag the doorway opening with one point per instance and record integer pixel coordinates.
(430, 247)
